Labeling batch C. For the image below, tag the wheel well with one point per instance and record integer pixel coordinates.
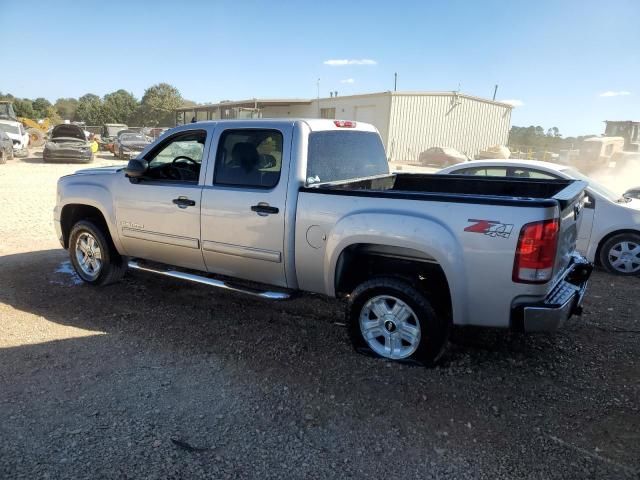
(358, 263)
(73, 213)
(607, 237)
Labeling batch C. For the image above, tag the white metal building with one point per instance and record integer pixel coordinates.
(409, 122)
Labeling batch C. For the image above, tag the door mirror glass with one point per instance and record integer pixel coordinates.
(136, 168)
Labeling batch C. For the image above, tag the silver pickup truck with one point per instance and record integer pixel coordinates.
(271, 207)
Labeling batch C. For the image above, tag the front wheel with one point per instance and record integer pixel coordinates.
(93, 255)
(393, 319)
(620, 254)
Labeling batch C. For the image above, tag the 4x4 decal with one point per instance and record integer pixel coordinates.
(492, 228)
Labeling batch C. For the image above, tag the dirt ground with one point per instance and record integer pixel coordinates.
(155, 378)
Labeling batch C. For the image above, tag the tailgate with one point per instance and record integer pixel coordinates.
(571, 202)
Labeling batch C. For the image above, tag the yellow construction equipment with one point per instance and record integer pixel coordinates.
(36, 130)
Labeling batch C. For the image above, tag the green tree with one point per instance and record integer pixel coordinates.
(158, 104)
(24, 108)
(90, 110)
(119, 106)
(66, 108)
(41, 107)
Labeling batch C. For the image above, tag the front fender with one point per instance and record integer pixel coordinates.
(407, 230)
(91, 193)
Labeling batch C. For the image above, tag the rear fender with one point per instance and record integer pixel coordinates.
(424, 234)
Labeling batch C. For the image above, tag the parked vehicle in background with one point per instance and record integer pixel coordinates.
(598, 152)
(610, 229)
(109, 133)
(67, 143)
(633, 193)
(130, 144)
(626, 129)
(310, 205)
(6, 111)
(18, 135)
(441, 157)
(6, 147)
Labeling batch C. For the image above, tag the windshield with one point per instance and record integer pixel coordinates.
(133, 137)
(9, 128)
(339, 155)
(593, 185)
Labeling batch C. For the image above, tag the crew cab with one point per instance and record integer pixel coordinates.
(272, 207)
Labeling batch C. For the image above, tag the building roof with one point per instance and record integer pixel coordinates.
(263, 102)
(274, 102)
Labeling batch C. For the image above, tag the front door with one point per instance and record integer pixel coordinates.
(159, 216)
(243, 204)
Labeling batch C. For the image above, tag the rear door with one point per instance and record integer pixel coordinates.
(244, 201)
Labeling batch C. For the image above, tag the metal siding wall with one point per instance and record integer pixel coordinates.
(418, 122)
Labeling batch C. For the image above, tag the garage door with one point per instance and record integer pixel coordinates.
(366, 114)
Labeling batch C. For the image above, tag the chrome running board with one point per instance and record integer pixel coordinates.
(212, 282)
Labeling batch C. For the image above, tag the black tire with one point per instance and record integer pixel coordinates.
(113, 265)
(607, 259)
(434, 329)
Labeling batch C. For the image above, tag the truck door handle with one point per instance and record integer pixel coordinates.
(184, 202)
(264, 209)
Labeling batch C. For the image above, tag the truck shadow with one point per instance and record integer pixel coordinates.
(177, 314)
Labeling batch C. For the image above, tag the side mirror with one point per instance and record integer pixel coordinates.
(136, 168)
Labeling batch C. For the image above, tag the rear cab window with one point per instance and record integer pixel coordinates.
(342, 155)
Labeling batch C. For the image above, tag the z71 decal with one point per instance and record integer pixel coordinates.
(490, 227)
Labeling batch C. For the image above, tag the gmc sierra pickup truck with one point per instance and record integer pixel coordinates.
(270, 207)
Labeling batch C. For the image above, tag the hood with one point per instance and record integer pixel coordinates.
(68, 130)
(111, 169)
(134, 144)
(73, 140)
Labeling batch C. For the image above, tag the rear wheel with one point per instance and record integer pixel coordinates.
(93, 254)
(393, 319)
(620, 254)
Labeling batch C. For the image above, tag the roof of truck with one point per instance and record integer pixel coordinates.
(314, 124)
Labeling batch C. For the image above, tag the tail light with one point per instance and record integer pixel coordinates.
(536, 252)
(344, 123)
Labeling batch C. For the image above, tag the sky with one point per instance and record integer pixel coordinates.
(569, 64)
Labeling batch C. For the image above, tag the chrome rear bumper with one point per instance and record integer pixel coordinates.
(564, 300)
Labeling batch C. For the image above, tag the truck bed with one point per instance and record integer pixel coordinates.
(460, 188)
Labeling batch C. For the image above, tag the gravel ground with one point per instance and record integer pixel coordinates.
(154, 378)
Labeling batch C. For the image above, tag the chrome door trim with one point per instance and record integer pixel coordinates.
(158, 237)
(240, 251)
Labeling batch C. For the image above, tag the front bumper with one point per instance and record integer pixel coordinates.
(20, 151)
(564, 300)
(130, 154)
(66, 155)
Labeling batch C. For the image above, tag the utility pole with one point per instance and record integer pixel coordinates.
(495, 90)
(395, 81)
(318, 98)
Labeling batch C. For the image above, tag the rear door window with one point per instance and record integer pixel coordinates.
(249, 158)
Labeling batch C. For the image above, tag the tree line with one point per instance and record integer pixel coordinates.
(155, 108)
(541, 139)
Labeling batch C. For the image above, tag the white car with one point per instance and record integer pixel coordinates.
(610, 229)
(16, 132)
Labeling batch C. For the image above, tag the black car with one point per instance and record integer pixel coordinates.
(67, 143)
(6, 147)
(129, 144)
